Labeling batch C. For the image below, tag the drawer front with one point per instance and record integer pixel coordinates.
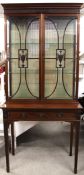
(52, 116)
(18, 116)
(41, 116)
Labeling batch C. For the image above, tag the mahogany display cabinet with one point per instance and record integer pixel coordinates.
(42, 67)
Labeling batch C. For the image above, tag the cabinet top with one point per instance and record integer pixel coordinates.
(42, 8)
(75, 105)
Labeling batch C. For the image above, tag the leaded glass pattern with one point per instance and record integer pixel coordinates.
(51, 47)
(61, 32)
(23, 77)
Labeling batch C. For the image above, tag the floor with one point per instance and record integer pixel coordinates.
(44, 150)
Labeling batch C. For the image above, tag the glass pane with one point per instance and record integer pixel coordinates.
(23, 47)
(51, 76)
(70, 40)
(51, 39)
(60, 57)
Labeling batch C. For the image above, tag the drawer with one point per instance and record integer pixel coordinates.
(41, 116)
(52, 116)
(23, 116)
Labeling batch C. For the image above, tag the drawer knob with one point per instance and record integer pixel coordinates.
(23, 115)
(60, 115)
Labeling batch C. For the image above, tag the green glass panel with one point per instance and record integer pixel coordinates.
(60, 38)
(50, 76)
(24, 74)
(70, 41)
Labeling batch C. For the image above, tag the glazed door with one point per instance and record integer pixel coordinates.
(42, 57)
(60, 57)
(23, 57)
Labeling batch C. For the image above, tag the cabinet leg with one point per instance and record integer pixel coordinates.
(6, 145)
(77, 129)
(71, 139)
(12, 139)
